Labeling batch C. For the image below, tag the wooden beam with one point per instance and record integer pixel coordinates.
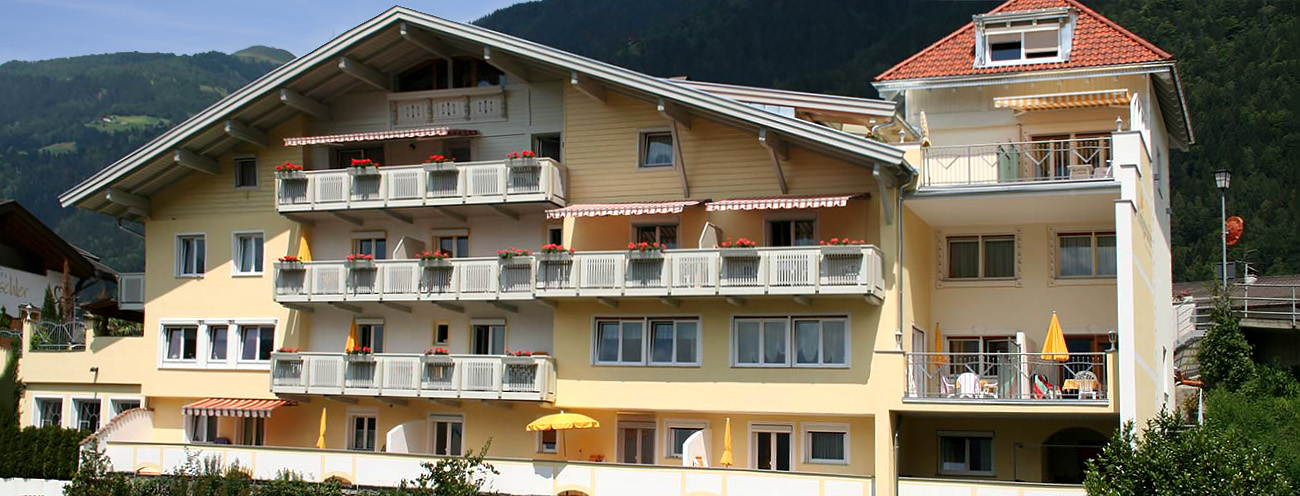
(426, 41)
(548, 303)
(396, 216)
(347, 218)
(246, 133)
(671, 302)
(510, 214)
(680, 161)
(300, 219)
(342, 399)
(445, 402)
(299, 307)
(304, 104)
(587, 86)
(134, 203)
(391, 400)
(449, 306)
(397, 306)
(191, 160)
(609, 302)
(675, 113)
(735, 301)
(346, 307)
(777, 148)
(506, 63)
(365, 73)
(504, 306)
(449, 213)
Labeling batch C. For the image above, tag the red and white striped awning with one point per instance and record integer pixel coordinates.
(779, 203)
(426, 132)
(234, 407)
(1058, 101)
(612, 209)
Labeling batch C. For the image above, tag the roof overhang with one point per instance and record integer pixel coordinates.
(319, 77)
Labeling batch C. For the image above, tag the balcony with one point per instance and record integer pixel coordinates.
(423, 185)
(415, 376)
(447, 107)
(130, 291)
(795, 271)
(1018, 163)
(1007, 378)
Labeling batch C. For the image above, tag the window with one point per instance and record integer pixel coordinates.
(555, 235)
(982, 257)
(458, 150)
(636, 442)
(182, 342)
(547, 145)
(371, 335)
(246, 173)
(49, 412)
(256, 343)
(980, 354)
(448, 433)
(343, 157)
(203, 428)
(766, 342)
(120, 406)
(248, 253)
(252, 431)
(441, 333)
(1086, 254)
(656, 149)
(361, 435)
(792, 232)
(191, 255)
(489, 339)
(1022, 41)
(625, 342)
(547, 441)
(437, 74)
(472, 72)
(826, 443)
(772, 449)
(373, 244)
(657, 233)
(454, 242)
(679, 432)
(966, 453)
(218, 341)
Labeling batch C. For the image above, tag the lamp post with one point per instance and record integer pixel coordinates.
(1222, 178)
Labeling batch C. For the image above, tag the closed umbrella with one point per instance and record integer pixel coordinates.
(352, 338)
(304, 251)
(938, 345)
(562, 422)
(1054, 348)
(320, 441)
(727, 459)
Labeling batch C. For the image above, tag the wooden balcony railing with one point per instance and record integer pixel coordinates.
(687, 272)
(489, 182)
(447, 106)
(1077, 159)
(414, 375)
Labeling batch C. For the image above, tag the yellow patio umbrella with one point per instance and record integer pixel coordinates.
(938, 345)
(304, 251)
(727, 458)
(562, 422)
(320, 441)
(1054, 348)
(352, 338)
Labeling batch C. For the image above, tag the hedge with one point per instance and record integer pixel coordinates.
(39, 453)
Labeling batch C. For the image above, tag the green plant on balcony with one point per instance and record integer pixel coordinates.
(554, 252)
(646, 250)
(360, 261)
(525, 158)
(289, 170)
(363, 167)
(511, 253)
(841, 246)
(743, 247)
(289, 262)
(435, 258)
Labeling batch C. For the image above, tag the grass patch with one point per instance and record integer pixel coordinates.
(121, 123)
(64, 148)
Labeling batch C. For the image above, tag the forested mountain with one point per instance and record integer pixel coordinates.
(61, 120)
(1239, 62)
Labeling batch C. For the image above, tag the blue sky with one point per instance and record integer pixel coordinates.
(45, 29)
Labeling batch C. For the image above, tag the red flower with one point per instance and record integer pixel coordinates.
(527, 154)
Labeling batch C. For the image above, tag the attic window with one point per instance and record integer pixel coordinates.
(1023, 38)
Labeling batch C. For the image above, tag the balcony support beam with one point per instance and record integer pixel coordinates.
(803, 300)
(735, 301)
(300, 219)
(365, 73)
(450, 214)
(304, 104)
(445, 402)
(548, 303)
(509, 214)
(397, 306)
(247, 134)
(300, 398)
(874, 299)
(346, 307)
(675, 113)
(449, 306)
(426, 41)
(342, 399)
(391, 400)
(347, 218)
(398, 217)
(504, 306)
(299, 307)
(609, 302)
(779, 150)
(191, 160)
(587, 86)
(506, 63)
(136, 204)
(671, 302)
(504, 405)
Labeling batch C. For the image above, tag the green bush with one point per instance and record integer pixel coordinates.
(39, 453)
(1269, 421)
(1224, 353)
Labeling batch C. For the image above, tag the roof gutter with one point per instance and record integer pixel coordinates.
(1018, 77)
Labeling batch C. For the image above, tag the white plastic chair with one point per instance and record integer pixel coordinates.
(1087, 384)
(968, 383)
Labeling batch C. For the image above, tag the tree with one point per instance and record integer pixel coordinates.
(453, 476)
(1170, 459)
(50, 308)
(1224, 353)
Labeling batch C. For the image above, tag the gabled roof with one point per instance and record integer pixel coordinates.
(379, 43)
(1098, 42)
(22, 229)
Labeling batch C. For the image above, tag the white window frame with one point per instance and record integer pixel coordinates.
(372, 321)
(114, 403)
(248, 326)
(203, 422)
(437, 235)
(646, 344)
(541, 443)
(1061, 21)
(165, 343)
(791, 217)
(209, 332)
(358, 237)
(490, 323)
(203, 348)
(36, 410)
(790, 361)
(436, 325)
(181, 239)
(642, 137)
(980, 239)
(352, 415)
(257, 174)
(774, 427)
(966, 435)
(811, 427)
(1058, 261)
(793, 351)
(236, 254)
(671, 450)
(636, 423)
(433, 422)
(554, 228)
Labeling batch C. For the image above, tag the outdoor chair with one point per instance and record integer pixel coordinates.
(947, 388)
(969, 385)
(1087, 384)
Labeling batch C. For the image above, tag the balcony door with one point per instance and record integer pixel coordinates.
(636, 442)
(489, 339)
(772, 448)
(343, 157)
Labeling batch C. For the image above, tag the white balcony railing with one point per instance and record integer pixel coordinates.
(415, 375)
(447, 107)
(396, 186)
(1007, 377)
(687, 272)
(130, 291)
(1078, 159)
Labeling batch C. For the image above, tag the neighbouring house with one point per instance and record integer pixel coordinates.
(425, 235)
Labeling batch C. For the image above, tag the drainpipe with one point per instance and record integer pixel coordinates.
(898, 268)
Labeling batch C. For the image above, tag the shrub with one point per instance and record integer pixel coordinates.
(1224, 353)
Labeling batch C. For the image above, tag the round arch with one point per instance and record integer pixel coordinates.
(1066, 452)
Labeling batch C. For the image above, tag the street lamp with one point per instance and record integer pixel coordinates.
(1222, 178)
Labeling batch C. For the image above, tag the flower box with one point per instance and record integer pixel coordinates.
(363, 171)
(516, 260)
(439, 166)
(841, 250)
(739, 252)
(286, 356)
(645, 255)
(561, 256)
(290, 265)
(522, 162)
(435, 263)
(361, 264)
(435, 359)
(359, 357)
(517, 360)
(290, 175)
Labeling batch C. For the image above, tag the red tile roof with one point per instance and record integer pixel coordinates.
(1098, 41)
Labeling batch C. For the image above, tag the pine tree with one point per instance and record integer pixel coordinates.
(1224, 353)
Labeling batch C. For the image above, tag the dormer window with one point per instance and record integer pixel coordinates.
(1023, 37)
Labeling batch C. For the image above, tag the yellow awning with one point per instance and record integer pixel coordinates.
(1058, 101)
(1054, 348)
(562, 422)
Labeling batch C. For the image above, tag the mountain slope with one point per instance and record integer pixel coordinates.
(1240, 66)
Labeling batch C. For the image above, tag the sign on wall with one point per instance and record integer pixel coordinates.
(21, 288)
